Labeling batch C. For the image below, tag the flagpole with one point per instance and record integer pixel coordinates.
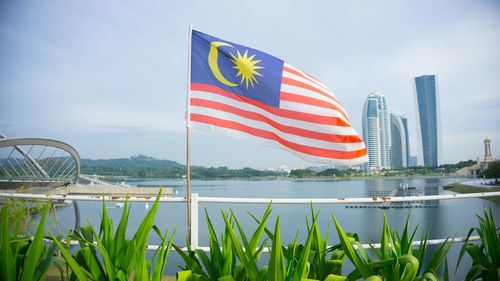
(188, 160)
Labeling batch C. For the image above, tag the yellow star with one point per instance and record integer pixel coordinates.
(247, 68)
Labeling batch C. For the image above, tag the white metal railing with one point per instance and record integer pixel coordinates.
(266, 250)
(196, 199)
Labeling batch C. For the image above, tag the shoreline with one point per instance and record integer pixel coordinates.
(132, 179)
(472, 186)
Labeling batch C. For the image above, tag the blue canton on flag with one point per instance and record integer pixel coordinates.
(244, 71)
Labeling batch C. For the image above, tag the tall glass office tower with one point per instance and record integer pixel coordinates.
(377, 132)
(400, 144)
(428, 120)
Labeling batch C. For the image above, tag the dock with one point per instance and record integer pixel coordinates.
(403, 191)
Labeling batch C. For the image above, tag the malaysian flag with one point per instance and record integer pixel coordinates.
(245, 93)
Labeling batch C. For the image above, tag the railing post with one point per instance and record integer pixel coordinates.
(194, 220)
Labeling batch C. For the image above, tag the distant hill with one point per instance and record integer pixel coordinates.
(149, 167)
(139, 161)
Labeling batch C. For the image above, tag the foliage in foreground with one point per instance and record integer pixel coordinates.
(23, 258)
(397, 258)
(109, 255)
(236, 256)
(486, 256)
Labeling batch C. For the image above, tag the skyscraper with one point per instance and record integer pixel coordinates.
(405, 125)
(377, 132)
(400, 145)
(428, 120)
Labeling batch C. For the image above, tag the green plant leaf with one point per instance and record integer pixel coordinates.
(276, 270)
(254, 241)
(7, 259)
(90, 262)
(35, 250)
(141, 236)
(108, 264)
(118, 247)
(411, 265)
(358, 262)
(45, 262)
(191, 263)
(75, 267)
(164, 251)
(302, 268)
(438, 258)
(226, 278)
(245, 257)
(333, 277)
(183, 275)
(446, 273)
(213, 272)
(215, 268)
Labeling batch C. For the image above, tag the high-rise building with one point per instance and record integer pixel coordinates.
(412, 161)
(405, 125)
(428, 120)
(400, 144)
(377, 132)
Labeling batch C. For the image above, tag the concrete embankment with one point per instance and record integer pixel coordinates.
(111, 190)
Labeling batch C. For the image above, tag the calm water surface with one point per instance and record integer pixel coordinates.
(449, 218)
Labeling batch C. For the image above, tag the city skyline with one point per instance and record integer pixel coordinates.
(110, 78)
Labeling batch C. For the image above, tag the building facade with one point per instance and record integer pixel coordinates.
(400, 144)
(428, 120)
(412, 161)
(405, 125)
(487, 150)
(377, 132)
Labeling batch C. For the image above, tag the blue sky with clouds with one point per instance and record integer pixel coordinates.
(109, 77)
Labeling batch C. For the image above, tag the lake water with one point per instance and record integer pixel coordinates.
(447, 218)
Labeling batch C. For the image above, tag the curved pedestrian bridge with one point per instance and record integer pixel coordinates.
(37, 162)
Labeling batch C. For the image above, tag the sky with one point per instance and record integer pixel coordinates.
(110, 77)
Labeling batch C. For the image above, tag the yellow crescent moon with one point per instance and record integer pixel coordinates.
(214, 65)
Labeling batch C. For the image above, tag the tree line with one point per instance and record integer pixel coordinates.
(149, 167)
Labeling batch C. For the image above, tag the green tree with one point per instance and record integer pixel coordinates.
(493, 171)
(301, 173)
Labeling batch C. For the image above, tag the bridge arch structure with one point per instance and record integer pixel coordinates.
(37, 162)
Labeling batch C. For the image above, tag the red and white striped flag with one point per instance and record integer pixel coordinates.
(244, 93)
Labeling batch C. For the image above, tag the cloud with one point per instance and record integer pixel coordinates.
(100, 117)
(487, 104)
